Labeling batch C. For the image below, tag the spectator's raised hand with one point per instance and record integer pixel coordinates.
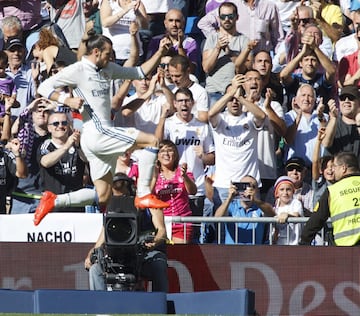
(35, 70)
(75, 138)
(252, 44)
(180, 36)
(153, 81)
(183, 169)
(317, 9)
(164, 45)
(333, 110)
(165, 110)
(294, 19)
(136, 4)
(223, 41)
(308, 41)
(295, 107)
(321, 133)
(133, 28)
(14, 146)
(269, 95)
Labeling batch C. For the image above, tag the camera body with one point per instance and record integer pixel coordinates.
(124, 248)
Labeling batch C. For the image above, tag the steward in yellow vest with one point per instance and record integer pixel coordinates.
(341, 202)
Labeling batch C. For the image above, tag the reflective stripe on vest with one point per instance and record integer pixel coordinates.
(344, 207)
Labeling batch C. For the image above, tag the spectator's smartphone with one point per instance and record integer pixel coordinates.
(241, 188)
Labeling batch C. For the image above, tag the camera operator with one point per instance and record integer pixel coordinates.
(242, 201)
(154, 264)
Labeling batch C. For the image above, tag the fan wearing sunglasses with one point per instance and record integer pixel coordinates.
(343, 130)
(62, 163)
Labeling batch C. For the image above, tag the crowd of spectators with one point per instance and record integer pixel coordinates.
(258, 92)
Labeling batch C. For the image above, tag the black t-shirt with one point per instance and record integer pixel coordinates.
(347, 138)
(7, 176)
(64, 176)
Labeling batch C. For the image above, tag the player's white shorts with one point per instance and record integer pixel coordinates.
(102, 149)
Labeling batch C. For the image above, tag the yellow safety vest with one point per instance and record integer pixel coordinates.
(344, 207)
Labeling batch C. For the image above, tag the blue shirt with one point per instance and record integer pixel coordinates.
(245, 230)
(322, 87)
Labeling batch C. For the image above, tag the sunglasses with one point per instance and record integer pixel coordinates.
(305, 21)
(57, 123)
(347, 96)
(230, 16)
(163, 65)
(291, 168)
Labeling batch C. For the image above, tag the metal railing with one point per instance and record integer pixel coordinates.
(272, 221)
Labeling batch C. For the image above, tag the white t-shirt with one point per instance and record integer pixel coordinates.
(119, 32)
(186, 136)
(266, 143)
(294, 229)
(345, 46)
(147, 116)
(235, 139)
(158, 6)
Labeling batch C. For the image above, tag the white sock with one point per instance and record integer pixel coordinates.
(147, 158)
(77, 198)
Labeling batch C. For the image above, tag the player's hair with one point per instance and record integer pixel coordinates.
(96, 41)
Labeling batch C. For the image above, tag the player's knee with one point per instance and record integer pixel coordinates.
(154, 141)
(104, 198)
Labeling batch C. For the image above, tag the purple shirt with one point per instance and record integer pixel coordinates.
(7, 86)
(28, 11)
(189, 45)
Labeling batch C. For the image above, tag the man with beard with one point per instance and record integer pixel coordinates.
(221, 50)
(174, 26)
(179, 70)
(273, 128)
(235, 136)
(258, 20)
(263, 64)
(309, 59)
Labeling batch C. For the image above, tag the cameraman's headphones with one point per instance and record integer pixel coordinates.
(120, 176)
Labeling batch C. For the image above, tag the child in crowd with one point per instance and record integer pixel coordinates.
(322, 169)
(286, 206)
(7, 85)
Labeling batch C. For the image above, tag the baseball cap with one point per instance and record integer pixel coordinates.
(12, 42)
(295, 163)
(350, 90)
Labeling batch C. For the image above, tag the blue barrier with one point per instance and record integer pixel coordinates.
(230, 302)
(13, 301)
(92, 302)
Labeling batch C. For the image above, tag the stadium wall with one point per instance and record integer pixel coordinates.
(287, 280)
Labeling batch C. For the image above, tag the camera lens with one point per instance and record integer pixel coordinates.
(119, 230)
